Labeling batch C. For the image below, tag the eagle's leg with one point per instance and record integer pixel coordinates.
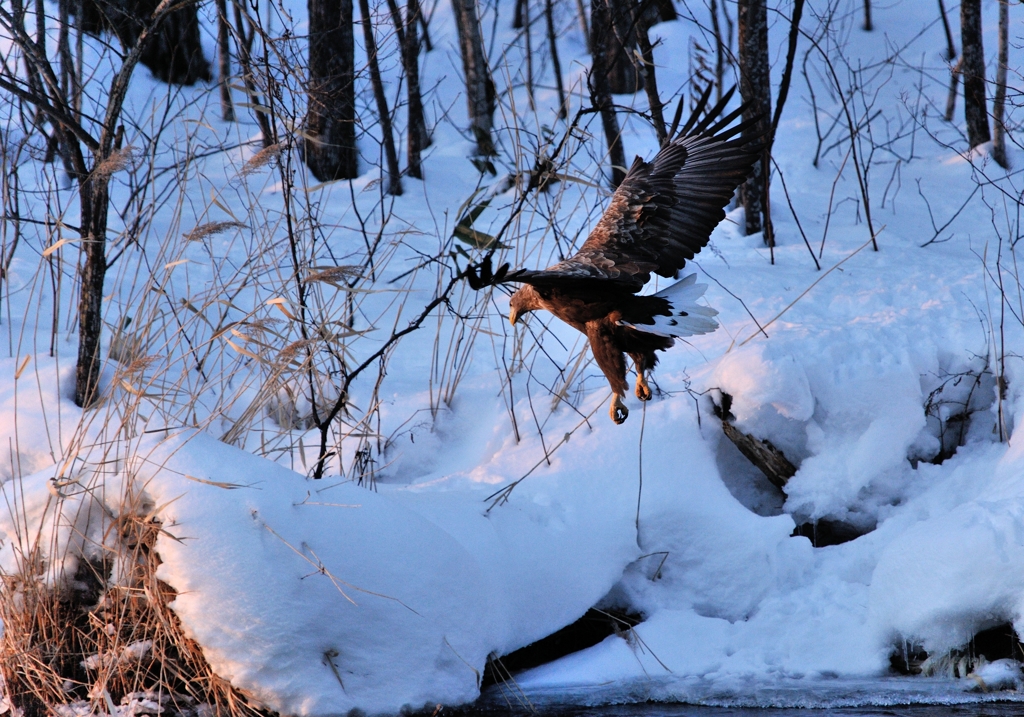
(643, 391)
(617, 410)
(612, 362)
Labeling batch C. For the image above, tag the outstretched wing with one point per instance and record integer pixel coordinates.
(664, 211)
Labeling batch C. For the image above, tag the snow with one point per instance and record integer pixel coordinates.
(1002, 674)
(498, 514)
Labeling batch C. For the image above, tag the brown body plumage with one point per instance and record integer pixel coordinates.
(600, 315)
(661, 215)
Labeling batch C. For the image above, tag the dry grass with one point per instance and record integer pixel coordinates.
(105, 640)
(211, 229)
(116, 161)
(261, 159)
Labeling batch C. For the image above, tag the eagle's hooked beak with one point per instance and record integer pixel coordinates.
(513, 316)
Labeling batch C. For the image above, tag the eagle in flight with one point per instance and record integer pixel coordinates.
(660, 216)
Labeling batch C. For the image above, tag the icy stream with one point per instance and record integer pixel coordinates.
(890, 696)
(988, 709)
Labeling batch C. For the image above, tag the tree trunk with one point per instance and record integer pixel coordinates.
(666, 11)
(480, 93)
(556, 65)
(954, 80)
(719, 50)
(600, 90)
(950, 47)
(999, 104)
(527, 37)
(787, 72)
(619, 41)
(329, 147)
(428, 46)
(419, 138)
(173, 51)
(244, 44)
(393, 174)
(227, 108)
(59, 106)
(92, 192)
(955, 69)
(409, 45)
(581, 13)
(755, 89)
(650, 82)
(973, 72)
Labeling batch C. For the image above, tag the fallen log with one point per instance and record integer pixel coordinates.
(765, 456)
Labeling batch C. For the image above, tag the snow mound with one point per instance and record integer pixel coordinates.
(319, 599)
(1002, 674)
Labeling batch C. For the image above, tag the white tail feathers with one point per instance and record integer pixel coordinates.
(688, 317)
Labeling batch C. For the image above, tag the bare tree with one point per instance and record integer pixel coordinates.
(245, 30)
(227, 108)
(787, 72)
(329, 145)
(419, 137)
(82, 138)
(480, 93)
(973, 71)
(556, 66)
(528, 41)
(950, 47)
(720, 49)
(619, 42)
(954, 70)
(755, 89)
(664, 11)
(600, 88)
(517, 16)
(581, 13)
(393, 174)
(999, 104)
(173, 51)
(650, 80)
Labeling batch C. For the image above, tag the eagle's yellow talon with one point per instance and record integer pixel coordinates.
(643, 391)
(618, 410)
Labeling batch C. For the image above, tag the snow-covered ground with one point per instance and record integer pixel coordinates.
(317, 597)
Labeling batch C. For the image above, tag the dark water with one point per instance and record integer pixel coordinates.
(982, 709)
(751, 697)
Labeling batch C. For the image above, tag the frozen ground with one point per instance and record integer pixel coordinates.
(878, 375)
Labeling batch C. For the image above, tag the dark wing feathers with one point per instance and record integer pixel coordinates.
(664, 211)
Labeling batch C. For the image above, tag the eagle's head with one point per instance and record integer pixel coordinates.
(525, 300)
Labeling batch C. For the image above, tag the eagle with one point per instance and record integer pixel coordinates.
(660, 216)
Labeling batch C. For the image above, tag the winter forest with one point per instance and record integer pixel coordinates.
(269, 443)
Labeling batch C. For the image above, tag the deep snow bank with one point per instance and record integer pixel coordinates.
(317, 598)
